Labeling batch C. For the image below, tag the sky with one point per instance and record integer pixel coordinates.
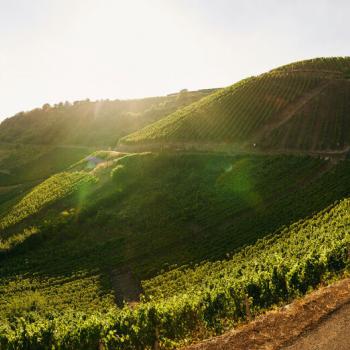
(68, 50)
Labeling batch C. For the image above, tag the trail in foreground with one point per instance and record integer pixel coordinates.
(331, 334)
(320, 321)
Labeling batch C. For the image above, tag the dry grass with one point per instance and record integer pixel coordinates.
(279, 328)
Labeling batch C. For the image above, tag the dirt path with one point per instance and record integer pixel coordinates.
(332, 334)
(319, 321)
(289, 112)
(227, 149)
(126, 287)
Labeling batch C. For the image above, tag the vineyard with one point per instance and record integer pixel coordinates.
(56, 267)
(24, 164)
(210, 204)
(336, 65)
(256, 112)
(212, 238)
(50, 191)
(323, 124)
(210, 297)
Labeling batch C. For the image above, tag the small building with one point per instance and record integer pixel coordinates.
(92, 162)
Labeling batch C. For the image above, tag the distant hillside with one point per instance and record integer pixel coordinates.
(86, 123)
(39, 143)
(300, 106)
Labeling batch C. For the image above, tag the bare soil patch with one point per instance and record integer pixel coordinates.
(126, 287)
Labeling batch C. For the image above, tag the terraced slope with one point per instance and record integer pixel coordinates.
(301, 106)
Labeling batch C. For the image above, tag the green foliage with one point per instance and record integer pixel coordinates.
(25, 164)
(211, 296)
(56, 187)
(207, 205)
(230, 115)
(322, 124)
(225, 220)
(157, 210)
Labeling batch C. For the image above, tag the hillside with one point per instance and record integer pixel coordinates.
(47, 140)
(302, 106)
(316, 321)
(164, 239)
(210, 204)
(91, 123)
(100, 226)
(84, 240)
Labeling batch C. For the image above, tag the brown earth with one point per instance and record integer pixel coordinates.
(126, 286)
(319, 321)
(331, 334)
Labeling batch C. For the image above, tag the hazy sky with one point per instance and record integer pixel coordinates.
(57, 50)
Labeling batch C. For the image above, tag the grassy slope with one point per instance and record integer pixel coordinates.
(25, 166)
(237, 114)
(26, 163)
(303, 239)
(275, 269)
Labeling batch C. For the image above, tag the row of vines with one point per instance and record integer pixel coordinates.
(210, 297)
(232, 114)
(323, 124)
(235, 113)
(57, 186)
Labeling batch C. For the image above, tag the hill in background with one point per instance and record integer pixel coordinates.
(41, 142)
(87, 123)
(304, 106)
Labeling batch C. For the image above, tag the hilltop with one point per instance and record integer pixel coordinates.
(303, 106)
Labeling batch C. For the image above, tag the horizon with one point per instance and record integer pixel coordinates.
(113, 50)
